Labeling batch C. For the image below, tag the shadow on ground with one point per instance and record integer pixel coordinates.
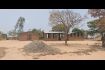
(90, 50)
(93, 48)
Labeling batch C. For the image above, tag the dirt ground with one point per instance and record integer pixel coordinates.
(76, 50)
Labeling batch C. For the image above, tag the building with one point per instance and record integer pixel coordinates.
(25, 36)
(3, 37)
(59, 36)
(96, 36)
(12, 38)
(53, 36)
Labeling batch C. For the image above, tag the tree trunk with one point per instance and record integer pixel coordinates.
(103, 40)
(66, 38)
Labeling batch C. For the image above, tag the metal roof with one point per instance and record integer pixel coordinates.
(53, 32)
(56, 32)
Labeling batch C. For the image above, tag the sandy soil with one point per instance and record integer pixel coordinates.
(13, 49)
(76, 50)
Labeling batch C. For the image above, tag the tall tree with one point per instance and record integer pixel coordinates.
(59, 28)
(67, 18)
(100, 15)
(93, 29)
(19, 25)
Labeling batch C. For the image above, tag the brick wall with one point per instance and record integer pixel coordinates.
(27, 36)
(23, 37)
(34, 36)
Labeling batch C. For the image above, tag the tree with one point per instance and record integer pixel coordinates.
(100, 14)
(12, 33)
(93, 27)
(19, 25)
(67, 18)
(59, 28)
(38, 31)
(77, 30)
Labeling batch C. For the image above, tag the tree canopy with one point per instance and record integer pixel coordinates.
(67, 18)
(100, 14)
(19, 25)
(58, 27)
(93, 28)
(77, 30)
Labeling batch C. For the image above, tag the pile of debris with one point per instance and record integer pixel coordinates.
(40, 47)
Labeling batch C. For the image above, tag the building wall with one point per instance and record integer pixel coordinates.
(23, 37)
(76, 37)
(34, 37)
(27, 36)
(3, 37)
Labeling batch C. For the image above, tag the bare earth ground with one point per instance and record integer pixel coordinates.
(76, 50)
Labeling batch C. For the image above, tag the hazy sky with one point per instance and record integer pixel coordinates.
(35, 18)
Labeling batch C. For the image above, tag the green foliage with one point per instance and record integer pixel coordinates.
(38, 31)
(19, 25)
(77, 30)
(93, 27)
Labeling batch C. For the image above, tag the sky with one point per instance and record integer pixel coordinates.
(34, 18)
